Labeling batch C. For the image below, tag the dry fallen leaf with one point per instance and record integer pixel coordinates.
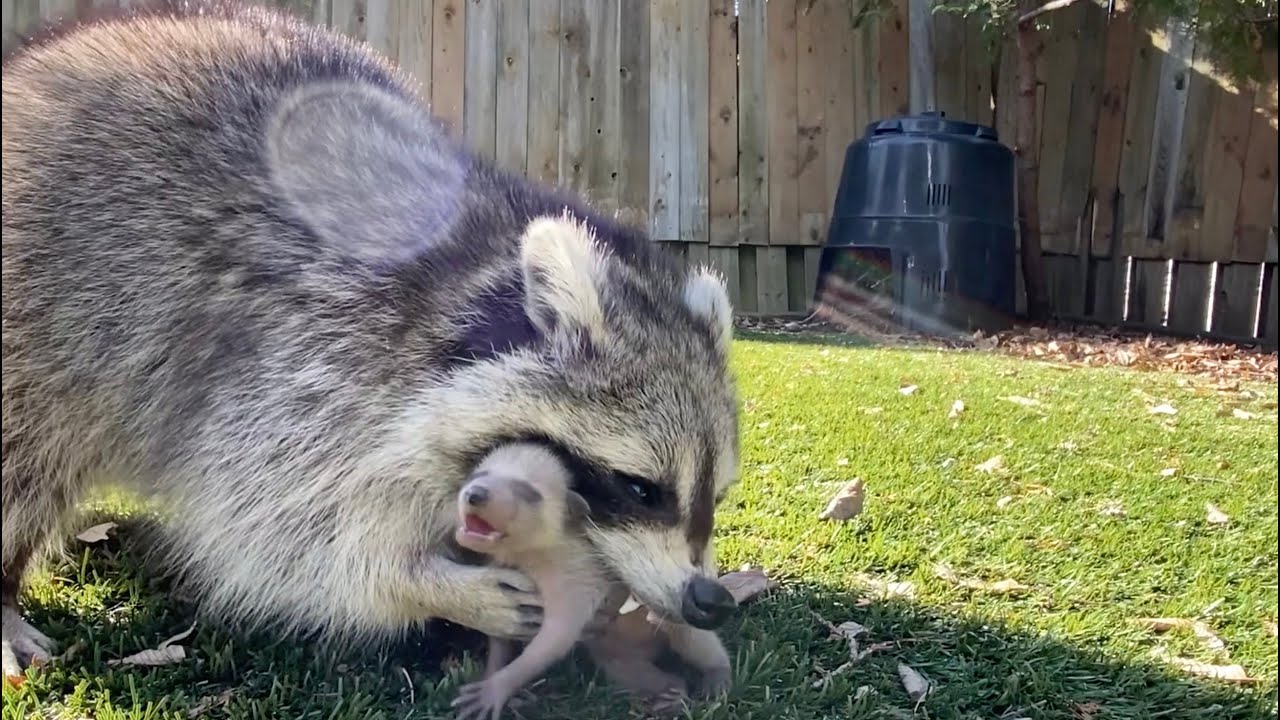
(1112, 508)
(1168, 472)
(209, 702)
(1242, 414)
(1006, 587)
(1271, 627)
(957, 407)
(1164, 624)
(1004, 501)
(846, 504)
(1163, 409)
(1085, 710)
(908, 389)
(995, 464)
(153, 658)
(850, 630)
(97, 533)
(1228, 673)
(1203, 633)
(1023, 401)
(862, 691)
(1208, 638)
(913, 682)
(1214, 516)
(71, 653)
(1000, 587)
(166, 653)
(745, 585)
(873, 648)
(887, 589)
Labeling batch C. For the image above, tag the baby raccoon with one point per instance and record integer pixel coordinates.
(627, 650)
(517, 507)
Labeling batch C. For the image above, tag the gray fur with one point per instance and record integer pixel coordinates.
(299, 336)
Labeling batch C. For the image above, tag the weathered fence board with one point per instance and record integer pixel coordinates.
(511, 112)
(1057, 70)
(1254, 220)
(480, 81)
(753, 126)
(695, 179)
(783, 110)
(1135, 162)
(575, 66)
(722, 126)
(448, 60)
(542, 132)
(1188, 207)
(1147, 291)
(1118, 47)
(812, 62)
(722, 138)
(1073, 202)
(1189, 304)
(633, 126)
(664, 120)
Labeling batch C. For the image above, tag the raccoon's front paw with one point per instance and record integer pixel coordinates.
(480, 701)
(501, 603)
(23, 645)
(715, 682)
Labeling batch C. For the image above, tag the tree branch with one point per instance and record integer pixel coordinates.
(1048, 7)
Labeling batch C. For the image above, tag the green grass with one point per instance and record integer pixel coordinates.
(815, 415)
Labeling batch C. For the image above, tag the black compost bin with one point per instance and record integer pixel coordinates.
(923, 227)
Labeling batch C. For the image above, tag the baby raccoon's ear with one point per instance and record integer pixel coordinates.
(576, 507)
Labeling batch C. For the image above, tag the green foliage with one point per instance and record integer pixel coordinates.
(1231, 33)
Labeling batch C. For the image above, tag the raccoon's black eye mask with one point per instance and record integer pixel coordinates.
(613, 497)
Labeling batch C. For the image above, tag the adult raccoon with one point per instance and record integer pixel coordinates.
(248, 275)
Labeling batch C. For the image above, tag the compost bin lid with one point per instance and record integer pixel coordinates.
(933, 122)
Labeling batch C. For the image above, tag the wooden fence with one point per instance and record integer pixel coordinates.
(721, 125)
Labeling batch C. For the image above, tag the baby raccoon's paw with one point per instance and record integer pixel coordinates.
(481, 700)
(668, 703)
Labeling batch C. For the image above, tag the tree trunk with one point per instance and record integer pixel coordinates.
(1028, 170)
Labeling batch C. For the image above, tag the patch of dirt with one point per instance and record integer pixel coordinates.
(1070, 345)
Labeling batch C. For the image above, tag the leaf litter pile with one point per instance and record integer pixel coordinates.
(1083, 345)
(1103, 348)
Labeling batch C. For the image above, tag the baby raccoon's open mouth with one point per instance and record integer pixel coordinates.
(480, 529)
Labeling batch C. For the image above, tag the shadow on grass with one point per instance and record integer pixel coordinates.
(109, 606)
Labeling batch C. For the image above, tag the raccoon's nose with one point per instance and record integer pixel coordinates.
(706, 604)
(477, 496)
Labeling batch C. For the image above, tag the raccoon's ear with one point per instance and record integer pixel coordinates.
(563, 268)
(366, 170)
(705, 294)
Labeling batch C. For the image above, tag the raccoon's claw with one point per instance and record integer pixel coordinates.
(715, 682)
(479, 701)
(501, 603)
(667, 703)
(24, 646)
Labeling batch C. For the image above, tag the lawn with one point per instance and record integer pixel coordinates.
(1097, 506)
